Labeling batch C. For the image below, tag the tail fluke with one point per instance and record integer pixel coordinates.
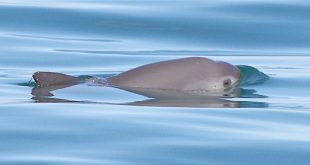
(47, 79)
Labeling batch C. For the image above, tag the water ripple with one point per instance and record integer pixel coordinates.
(267, 124)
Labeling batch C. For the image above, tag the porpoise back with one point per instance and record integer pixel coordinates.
(194, 73)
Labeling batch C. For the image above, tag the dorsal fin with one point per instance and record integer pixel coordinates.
(46, 79)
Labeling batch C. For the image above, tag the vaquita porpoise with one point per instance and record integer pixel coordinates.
(185, 74)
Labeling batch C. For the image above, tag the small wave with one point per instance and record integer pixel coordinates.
(251, 75)
(63, 38)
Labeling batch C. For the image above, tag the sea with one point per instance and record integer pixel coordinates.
(266, 123)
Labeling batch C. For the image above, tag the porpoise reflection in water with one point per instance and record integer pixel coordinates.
(193, 81)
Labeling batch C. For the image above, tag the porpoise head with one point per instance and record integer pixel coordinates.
(215, 76)
(228, 76)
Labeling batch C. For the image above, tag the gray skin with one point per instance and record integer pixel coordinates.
(194, 73)
(186, 74)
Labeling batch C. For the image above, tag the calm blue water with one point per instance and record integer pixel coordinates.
(267, 124)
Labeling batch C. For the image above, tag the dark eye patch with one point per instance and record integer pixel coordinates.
(227, 82)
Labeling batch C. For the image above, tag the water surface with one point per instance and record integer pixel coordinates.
(82, 124)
